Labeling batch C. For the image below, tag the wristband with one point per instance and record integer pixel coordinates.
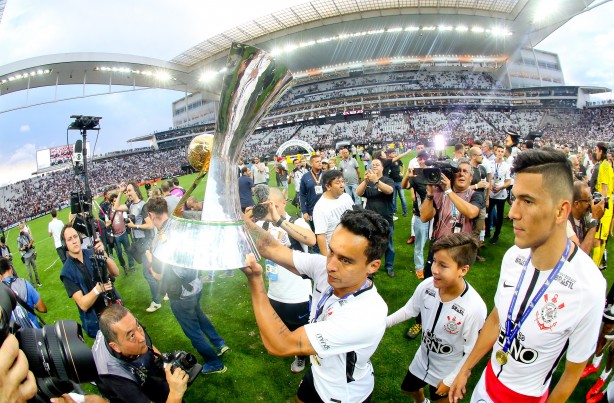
(281, 220)
(96, 290)
(447, 192)
(376, 182)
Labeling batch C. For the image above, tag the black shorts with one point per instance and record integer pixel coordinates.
(412, 383)
(293, 315)
(307, 391)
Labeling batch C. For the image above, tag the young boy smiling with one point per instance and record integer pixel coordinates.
(452, 315)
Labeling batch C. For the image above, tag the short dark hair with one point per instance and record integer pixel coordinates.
(578, 188)
(528, 144)
(64, 230)
(459, 147)
(372, 226)
(5, 265)
(54, 213)
(113, 196)
(508, 149)
(314, 156)
(329, 176)
(498, 145)
(176, 181)
(244, 169)
(165, 187)
(2, 239)
(136, 188)
(553, 165)
(604, 150)
(157, 205)
(477, 142)
(461, 247)
(110, 316)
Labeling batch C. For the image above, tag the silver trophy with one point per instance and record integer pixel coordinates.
(252, 84)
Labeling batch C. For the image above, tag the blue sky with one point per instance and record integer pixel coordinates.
(162, 29)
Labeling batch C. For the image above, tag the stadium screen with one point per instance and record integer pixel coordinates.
(56, 156)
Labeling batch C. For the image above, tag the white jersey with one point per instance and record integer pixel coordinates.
(500, 173)
(344, 336)
(566, 319)
(288, 288)
(55, 229)
(413, 163)
(449, 330)
(327, 214)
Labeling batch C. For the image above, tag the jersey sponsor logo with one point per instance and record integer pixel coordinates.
(565, 280)
(429, 292)
(458, 309)
(546, 316)
(518, 351)
(435, 344)
(520, 260)
(323, 342)
(453, 326)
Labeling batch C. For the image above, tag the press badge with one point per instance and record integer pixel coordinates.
(318, 189)
(458, 227)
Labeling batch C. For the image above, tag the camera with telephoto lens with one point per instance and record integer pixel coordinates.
(597, 196)
(183, 360)
(57, 354)
(433, 174)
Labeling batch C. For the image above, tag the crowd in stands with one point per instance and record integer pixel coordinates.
(40, 194)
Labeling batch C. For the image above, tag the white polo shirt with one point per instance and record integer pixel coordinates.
(566, 320)
(327, 214)
(344, 336)
(449, 330)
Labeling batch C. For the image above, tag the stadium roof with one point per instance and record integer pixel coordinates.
(317, 34)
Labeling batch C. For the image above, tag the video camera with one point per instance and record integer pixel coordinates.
(180, 359)
(446, 167)
(57, 354)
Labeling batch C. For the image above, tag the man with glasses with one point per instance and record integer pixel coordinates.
(328, 210)
(584, 218)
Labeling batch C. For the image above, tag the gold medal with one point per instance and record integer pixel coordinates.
(501, 357)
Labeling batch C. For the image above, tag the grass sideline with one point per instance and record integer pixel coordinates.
(254, 375)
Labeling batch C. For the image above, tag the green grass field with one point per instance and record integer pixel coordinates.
(252, 374)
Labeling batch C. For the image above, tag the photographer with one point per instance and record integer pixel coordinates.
(584, 217)
(78, 277)
(126, 362)
(28, 255)
(184, 288)
(453, 205)
(25, 317)
(120, 234)
(289, 293)
(5, 251)
(140, 241)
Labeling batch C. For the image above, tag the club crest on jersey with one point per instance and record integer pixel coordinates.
(546, 316)
(453, 326)
(520, 260)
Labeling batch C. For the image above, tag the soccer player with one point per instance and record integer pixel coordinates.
(452, 315)
(549, 298)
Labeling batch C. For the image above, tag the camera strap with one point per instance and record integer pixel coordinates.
(23, 303)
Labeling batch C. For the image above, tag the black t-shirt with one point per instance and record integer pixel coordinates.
(394, 170)
(478, 174)
(154, 389)
(418, 183)
(379, 201)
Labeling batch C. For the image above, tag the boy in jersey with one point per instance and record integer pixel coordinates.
(452, 315)
(549, 298)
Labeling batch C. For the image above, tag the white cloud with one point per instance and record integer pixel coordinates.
(24, 128)
(19, 165)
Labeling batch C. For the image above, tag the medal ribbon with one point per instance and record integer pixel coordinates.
(317, 179)
(511, 328)
(328, 294)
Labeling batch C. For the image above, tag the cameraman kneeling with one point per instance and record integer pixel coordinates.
(125, 360)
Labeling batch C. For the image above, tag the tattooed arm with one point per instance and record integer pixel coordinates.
(267, 246)
(276, 337)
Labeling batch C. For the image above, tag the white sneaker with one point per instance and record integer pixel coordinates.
(165, 297)
(153, 307)
(297, 365)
